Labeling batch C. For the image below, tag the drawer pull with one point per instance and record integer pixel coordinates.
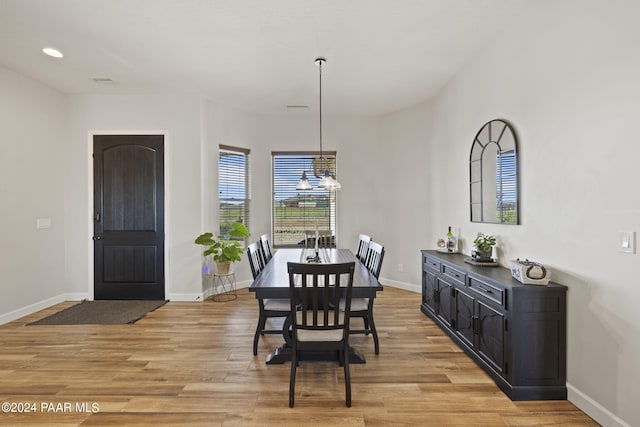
(485, 289)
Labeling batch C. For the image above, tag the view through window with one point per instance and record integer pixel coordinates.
(296, 212)
(233, 188)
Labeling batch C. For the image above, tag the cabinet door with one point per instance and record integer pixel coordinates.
(463, 316)
(444, 300)
(490, 335)
(429, 289)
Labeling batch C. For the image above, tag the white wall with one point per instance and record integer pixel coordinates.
(359, 152)
(178, 117)
(566, 75)
(33, 120)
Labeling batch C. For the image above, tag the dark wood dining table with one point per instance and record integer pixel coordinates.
(273, 282)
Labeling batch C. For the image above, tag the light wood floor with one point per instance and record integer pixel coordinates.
(191, 363)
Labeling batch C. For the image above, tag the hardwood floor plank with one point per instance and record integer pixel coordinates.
(191, 364)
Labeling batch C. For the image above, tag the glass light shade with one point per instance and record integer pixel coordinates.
(304, 183)
(328, 182)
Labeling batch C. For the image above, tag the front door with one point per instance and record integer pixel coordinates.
(128, 196)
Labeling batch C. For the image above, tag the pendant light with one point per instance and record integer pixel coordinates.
(304, 183)
(328, 181)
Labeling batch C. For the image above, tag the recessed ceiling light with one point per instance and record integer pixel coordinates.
(53, 52)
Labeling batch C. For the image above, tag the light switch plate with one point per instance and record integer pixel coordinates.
(43, 223)
(627, 242)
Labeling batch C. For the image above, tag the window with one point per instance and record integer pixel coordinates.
(298, 211)
(233, 188)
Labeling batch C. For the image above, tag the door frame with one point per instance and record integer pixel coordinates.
(90, 206)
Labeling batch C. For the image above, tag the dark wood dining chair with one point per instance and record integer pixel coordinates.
(315, 292)
(363, 246)
(375, 256)
(254, 253)
(363, 307)
(326, 239)
(267, 254)
(268, 308)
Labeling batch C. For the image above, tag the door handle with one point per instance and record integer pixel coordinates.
(97, 237)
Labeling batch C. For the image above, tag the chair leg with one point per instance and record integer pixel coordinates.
(374, 333)
(347, 378)
(259, 329)
(372, 326)
(292, 378)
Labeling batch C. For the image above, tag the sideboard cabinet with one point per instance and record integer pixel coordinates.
(515, 332)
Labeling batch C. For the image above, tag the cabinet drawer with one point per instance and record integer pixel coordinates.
(430, 263)
(455, 274)
(489, 291)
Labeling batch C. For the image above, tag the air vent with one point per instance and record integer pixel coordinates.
(102, 80)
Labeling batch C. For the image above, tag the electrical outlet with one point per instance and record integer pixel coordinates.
(400, 268)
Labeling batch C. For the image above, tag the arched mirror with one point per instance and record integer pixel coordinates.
(493, 174)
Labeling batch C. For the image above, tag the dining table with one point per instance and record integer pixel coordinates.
(273, 282)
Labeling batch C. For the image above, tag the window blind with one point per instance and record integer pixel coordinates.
(298, 211)
(233, 188)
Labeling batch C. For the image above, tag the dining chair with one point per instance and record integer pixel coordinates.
(254, 253)
(268, 308)
(375, 256)
(363, 246)
(266, 248)
(325, 238)
(315, 292)
(363, 307)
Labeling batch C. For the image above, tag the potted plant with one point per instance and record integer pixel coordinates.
(224, 251)
(483, 244)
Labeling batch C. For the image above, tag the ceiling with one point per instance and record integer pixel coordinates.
(253, 55)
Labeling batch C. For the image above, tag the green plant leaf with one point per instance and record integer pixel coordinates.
(205, 239)
(224, 250)
(238, 230)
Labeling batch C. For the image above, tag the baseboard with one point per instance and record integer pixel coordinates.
(402, 285)
(186, 297)
(31, 308)
(592, 408)
(77, 296)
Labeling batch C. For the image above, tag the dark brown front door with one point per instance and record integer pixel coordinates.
(128, 216)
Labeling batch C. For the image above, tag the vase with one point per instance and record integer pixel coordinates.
(224, 267)
(482, 255)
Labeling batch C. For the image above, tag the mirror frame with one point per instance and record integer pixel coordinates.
(490, 133)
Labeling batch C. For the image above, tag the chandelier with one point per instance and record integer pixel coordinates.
(328, 180)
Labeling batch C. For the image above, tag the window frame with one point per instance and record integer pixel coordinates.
(294, 171)
(224, 181)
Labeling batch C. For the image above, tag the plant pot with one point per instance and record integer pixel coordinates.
(224, 267)
(483, 255)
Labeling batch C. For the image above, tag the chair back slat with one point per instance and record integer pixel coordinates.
(254, 253)
(315, 292)
(375, 256)
(266, 248)
(363, 247)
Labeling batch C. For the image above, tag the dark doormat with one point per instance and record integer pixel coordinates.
(103, 312)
